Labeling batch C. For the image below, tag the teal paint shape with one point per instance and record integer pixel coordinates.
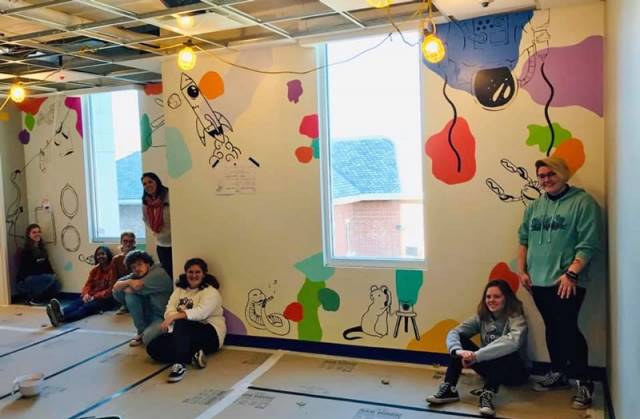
(329, 299)
(146, 133)
(309, 327)
(68, 266)
(29, 121)
(540, 135)
(141, 246)
(315, 145)
(408, 284)
(314, 268)
(178, 155)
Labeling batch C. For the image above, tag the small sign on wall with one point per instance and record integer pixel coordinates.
(236, 180)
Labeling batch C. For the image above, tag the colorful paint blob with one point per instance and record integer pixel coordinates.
(75, 104)
(4, 116)
(309, 327)
(315, 145)
(31, 104)
(304, 154)
(24, 136)
(408, 284)
(294, 312)
(453, 152)
(178, 155)
(68, 266)
(435, 339)
(502, 271)
(572, 152)
(152, 89)
(29, 121)
(234, 324)
(314, 268)
(329, 299)
(540, 135)
(294, 90)
(309, 126)
(146, 133)
(211, 85)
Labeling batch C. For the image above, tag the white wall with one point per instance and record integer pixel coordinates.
(623, 153)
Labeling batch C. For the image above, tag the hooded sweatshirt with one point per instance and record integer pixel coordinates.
(558, 231)
(158, 287)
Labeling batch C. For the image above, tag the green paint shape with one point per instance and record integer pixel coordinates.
(329, 299)
(309, 327)
(314, 268)
(145, 133)
(141, 246)
(178, 155)
(408, 285)
(315, 145)
(541, 135)
(29, 121)
(68, 266)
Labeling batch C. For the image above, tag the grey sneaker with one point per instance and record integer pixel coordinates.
(122, 310)
(52, 317)
(176, 373)
(446, 394)
(552, 381)
(485, 403)
(584, 395)
(199, 359)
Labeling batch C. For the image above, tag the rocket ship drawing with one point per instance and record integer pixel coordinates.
(209, 122)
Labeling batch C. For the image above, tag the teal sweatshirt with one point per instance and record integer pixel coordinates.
(557, 232)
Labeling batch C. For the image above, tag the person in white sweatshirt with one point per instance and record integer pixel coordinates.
(193, 322)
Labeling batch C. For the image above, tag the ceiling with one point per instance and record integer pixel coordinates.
(65, 45)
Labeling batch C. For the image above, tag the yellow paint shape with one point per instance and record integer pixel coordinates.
(4, 116)
(435, 339)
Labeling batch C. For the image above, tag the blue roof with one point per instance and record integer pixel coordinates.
(129, 170)
(363, 167)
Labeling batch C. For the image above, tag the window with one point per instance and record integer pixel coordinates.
(113, 164)
(372, 154)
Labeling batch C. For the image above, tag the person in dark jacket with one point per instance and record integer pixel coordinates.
(36, 280)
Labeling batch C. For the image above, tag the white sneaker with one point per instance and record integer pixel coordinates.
(199, 359)
(176, 373)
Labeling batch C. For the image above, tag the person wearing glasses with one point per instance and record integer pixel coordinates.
(127, 244)
(559, 236)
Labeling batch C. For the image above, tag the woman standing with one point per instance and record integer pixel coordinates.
(155, 213)
(194, 319)
(559, 235)
(503, 330)
(35, 280)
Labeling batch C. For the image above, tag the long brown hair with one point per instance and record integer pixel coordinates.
(512, 305)
(29, 243)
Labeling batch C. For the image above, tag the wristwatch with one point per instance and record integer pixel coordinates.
(571, 275)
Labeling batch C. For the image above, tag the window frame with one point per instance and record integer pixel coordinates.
(325, 185)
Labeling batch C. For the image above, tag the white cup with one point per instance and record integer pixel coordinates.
(29, 385)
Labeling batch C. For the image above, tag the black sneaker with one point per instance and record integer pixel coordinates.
(52, 317)
(56, 311)
(199, 359)
(584, 395)
(485, 403)
(446, 394)
(176, 373)
(552, 381)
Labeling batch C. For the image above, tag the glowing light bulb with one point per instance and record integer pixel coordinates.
(186, 58)
(379, 4)
(433, 48)
(185, 21)
(17, 93)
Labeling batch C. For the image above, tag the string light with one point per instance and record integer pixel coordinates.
(17, 93)
(187, 57)
(379, 4)
(185, 21)
(432, 47)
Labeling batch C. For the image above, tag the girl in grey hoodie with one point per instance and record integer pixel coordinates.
(502, 328)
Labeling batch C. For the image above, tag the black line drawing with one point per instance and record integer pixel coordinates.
(70, 238)
(530, 191)
(546, 110)
(453, 124)
(69, 202)
(256, 314)
(14, 209)
(61, 137)
(375, 320)
(174, 101)
(46, 117)
(405, 311)
(89, 260)
(539, 43)
(46, 220)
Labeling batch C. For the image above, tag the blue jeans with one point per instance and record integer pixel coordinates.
(147, 324)
(77, 309)
(39, 287)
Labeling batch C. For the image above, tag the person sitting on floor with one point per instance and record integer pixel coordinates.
(35, 281)
(194, 321)
(146, 292)
(502, 327)
(127, 244)
(95, 296)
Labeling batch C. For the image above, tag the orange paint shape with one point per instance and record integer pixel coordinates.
(304, 154)
(211, 85)
(4, 116)
(31, 104)
(502, 271)
(572, 152)
(151, 89)
(456, 162)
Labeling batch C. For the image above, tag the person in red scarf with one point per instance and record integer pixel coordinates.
(155, 213)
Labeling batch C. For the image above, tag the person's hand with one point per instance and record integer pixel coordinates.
(566, 287)
(136, 284)
(468, 357)
(86, 298)
(166, 323)
(525, 280)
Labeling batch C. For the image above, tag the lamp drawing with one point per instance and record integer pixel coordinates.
(408, 285)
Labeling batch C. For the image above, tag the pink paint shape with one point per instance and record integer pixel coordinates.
(575, 72)
(309, 126)
(75, 104)
(446, 165)
(294, 90)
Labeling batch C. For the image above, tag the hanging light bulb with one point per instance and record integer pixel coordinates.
(17, 93)
(379, 4)
(185, 21)
(433, 48)
(187, 57)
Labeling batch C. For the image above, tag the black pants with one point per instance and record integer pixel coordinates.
(166, 260)
(187, 338)
(507, 370)
(567, 346)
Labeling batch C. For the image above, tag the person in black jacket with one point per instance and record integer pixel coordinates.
(35, 280)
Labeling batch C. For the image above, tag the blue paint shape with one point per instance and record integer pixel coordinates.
(408, 284)
(68, 266)
(314, 268)
(482, 43)
(315, 145)
(178, 155)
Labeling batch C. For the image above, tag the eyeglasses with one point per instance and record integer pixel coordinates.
(543, 176)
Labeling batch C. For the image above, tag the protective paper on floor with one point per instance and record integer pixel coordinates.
(10, 340)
